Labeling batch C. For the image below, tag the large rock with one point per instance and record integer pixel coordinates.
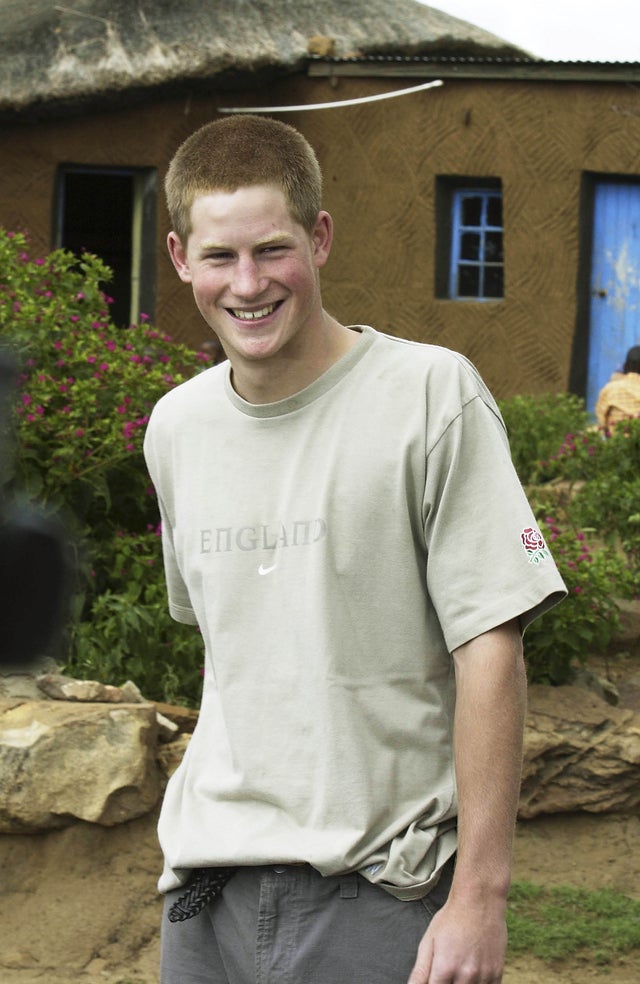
(62, 761)
(580, 753)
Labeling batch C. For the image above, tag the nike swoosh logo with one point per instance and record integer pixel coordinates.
(266, 570)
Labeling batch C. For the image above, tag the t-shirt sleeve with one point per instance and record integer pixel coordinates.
(180, 607)
(179, 602)
(487, 562)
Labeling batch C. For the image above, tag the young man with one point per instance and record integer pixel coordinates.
(342, 521)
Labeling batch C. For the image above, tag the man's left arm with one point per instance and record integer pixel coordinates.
(466, 941)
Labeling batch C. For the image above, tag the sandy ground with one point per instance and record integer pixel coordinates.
(80, 904)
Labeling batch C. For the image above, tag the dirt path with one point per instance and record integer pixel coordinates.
(80, 905)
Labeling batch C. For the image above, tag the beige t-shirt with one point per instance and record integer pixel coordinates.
(334, 548)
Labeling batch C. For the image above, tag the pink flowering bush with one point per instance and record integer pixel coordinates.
(586, 621)
(584, 486)
(538, 426)
(86, 389)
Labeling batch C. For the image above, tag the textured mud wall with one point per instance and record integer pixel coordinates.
(381, 162)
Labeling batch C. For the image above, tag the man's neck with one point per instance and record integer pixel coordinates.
(266, 382)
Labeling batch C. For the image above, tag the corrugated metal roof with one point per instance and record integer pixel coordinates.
(481, 66)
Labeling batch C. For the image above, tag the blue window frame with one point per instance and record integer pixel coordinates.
(477, 256)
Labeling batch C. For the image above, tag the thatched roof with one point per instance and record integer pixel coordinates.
(83, 50)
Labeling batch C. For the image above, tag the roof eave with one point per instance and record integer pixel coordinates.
(467, 67)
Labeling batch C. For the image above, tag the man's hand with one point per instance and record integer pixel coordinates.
(464, 944)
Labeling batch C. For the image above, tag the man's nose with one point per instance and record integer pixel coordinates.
(247, 279)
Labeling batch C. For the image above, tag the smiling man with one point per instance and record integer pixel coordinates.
(255, 276)
(342, 520)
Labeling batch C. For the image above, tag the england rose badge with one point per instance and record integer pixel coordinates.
(533, 543)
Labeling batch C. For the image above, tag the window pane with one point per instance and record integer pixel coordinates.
(494, 211)
(469, 281)
(493, 247)
(471, 211)
(493, 282)
(470, 246)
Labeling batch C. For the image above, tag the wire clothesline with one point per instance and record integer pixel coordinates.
(331, 105)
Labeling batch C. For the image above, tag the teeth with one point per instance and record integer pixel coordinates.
(253, 315)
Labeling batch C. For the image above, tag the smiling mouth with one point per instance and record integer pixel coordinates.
(254, 315)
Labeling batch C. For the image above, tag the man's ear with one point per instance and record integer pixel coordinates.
(321, 238)
(178, 256)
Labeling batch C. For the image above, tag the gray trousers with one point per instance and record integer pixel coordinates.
(286, 924)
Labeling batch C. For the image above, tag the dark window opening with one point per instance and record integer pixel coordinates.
(111, 213)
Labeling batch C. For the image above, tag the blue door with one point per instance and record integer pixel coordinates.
(614, 324)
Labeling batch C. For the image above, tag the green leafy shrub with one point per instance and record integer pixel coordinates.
(606, 470)
(586, 621)
(538, 426)
(583, 484)
(86, 391)
(128, 633)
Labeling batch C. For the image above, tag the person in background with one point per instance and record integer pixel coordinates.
(342, 520)
(619, 399)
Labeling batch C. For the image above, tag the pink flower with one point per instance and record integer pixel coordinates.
(79, 432)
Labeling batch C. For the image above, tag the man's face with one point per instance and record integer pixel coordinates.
(254, 272)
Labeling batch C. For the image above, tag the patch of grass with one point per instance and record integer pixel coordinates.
(557, 923)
